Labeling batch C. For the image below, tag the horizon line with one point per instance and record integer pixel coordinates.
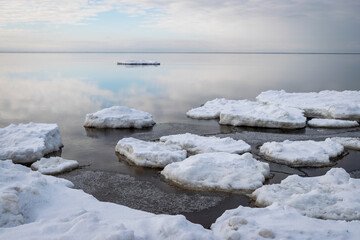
(186, 52)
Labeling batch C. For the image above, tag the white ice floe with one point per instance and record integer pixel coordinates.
(119, 117)
(348, 142)
(211, 109)
(326, 104)
(302, 153)
(36, 206)
(149, 154)
(54, 165)
(25, 143)
(199, 144)
(218, 171)
(138, 62)
(332, 196)
(280, 222)
(332, 123)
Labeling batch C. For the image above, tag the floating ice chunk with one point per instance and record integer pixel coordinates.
(326, 104)
(54, 165)
(198, 144)
(37, 206)
(149, 154)
(25, 143)
(218, 171)
(332, 196)
(211, 109)
(302, 153)
(348, 142)
(119, 117)
(138, 62)
(332, 123)
(278, 222)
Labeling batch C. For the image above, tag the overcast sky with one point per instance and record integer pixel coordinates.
(183, 25)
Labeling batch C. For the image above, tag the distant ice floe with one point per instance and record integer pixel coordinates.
(54, 165)
(348, 142)
(302, 153)
(325, 104)
(138, 62)
(218, 171)
(119, 117)
(37, 206)
(332, 196)
(149, 154)
(249, 113)
(25, 143)
(199, 144)
(332, 123)
(280, 222)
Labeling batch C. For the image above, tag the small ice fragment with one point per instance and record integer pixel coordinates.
(332, 123)
(54, 165)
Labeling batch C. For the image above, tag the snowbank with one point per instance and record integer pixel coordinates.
(198, 144)
(35, 206)
(332, 123)
(348, 142)
(25, 143)
(218, 171)
(332, 196)
(279, 222)
(119, 117)
(149, 154)
(302, 153)
(325, 104)
(138, 62)
(54, 165)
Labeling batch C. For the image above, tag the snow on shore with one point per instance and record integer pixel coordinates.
(302, 153)
(199, 144)
(218, 171)
(332, 123)
(119, 117)
(25, 143)
(348, 142)
(332, 196)
(54, 165)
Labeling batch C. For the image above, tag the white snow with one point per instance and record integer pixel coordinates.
(36, 206)
(199, 144)
(211, 109)
(54, 165)
(325, 104)
(348, 142)
(332, 123)
(119, 117)
(138, 62)
(149, 154)
(218, 171)
(25, 143)
(302, 153)
(332, 196)
(280, 222)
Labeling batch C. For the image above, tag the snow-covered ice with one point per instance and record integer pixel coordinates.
(199, 144)
(332, 196)
(302, 153)
(325, 104)
(280, 222)
(211, 109)
(138, 62)
(332, 123)
(218, 171)
(36, 206)
(348, 142)
(54, 165)
(149, 154)
(25, 143)
(119, 117)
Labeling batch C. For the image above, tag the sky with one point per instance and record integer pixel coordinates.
(180, 26)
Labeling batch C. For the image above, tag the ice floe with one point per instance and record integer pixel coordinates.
(218, 171)
(326, 104)
(199, 144)
(138, 62)
(280, 222)
(54, 165)
(348, 142)
(302, 153)
(119, 117)
(211, 109)
(36, 206)
(149, 154)
(25, 143)
(332, 196)
(332, 123)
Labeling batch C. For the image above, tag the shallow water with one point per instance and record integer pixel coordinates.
(61, 88)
